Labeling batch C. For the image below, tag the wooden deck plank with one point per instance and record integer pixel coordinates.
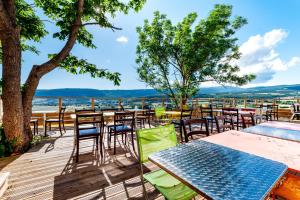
(48, 171)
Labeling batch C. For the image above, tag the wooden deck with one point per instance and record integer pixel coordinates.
(48, 171)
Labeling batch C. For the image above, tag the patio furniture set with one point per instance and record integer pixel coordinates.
(234, 164)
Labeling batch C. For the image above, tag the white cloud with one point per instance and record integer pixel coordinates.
(122, 39)
(259, 56)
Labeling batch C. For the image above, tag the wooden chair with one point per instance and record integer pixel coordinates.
(184, 114)
(194, 127)
(35, 123)
(258, 117)
(59, 120)
(207, 113)
(248, 120)
(89, 126)
(123, 124)
(295, 111)
(272, 112)
(222, 124)
(141, 118)
(232, 116)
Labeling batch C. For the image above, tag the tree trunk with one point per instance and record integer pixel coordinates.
(13, 122)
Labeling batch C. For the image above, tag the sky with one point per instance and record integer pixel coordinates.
(269, 44)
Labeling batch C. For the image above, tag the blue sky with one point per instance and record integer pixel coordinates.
(269, 43)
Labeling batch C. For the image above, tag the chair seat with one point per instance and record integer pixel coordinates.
(121, 128)
(89, 132)
(290, 188)
(33, 120)
(170, 187)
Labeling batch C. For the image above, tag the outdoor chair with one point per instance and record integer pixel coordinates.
(89, 126)
(160, 116)
(207, 113)
(194, 127)
(222, 124)
(123, 124)
(232, 116)
(60, 121)
(141, 118)
(270, 111)
(153, 140)
(35, 123)
(247, 120)
(184, 114)
(295, 111)
(257, 115)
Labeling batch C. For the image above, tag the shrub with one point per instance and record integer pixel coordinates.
(6, 147)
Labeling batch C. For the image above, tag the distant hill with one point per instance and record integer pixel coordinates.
(255, 92)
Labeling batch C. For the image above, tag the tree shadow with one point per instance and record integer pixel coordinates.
(96, 174)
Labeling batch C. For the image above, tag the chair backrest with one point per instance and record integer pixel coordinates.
(61, 114)
(296, 107)
(159, 111)
(186, 114)
(89, 121)
(248, 120)
(155, 139)
(206, 111)
(124, 118)
(87, 110)
(189, 124)
(230, 111)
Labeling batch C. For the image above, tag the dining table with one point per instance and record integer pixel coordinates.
(284, 151)
(276, 129)
(218, 172)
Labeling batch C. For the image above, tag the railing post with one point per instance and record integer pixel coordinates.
(59, 103)
(163, 102)
(143, 103)
(245, 103)
(120, 103)
(93, 102)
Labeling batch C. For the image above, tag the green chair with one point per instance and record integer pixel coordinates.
(159, 112)
(154, 140)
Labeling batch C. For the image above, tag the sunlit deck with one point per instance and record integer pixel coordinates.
(48, 171)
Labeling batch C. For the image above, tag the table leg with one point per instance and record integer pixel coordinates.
(44, 123)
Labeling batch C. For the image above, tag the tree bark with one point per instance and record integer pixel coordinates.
(17, 104)
(13, 122)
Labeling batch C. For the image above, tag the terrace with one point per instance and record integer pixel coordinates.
(77, 145)
(49, 170)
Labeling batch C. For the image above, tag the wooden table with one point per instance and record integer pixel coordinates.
(44, 112)
(271, 148)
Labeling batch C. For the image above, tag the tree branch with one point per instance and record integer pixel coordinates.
(96, 23)
(38, 71)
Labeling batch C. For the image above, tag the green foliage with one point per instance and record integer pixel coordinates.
(80, 66)
(6, 147)
(176, 59)
(63, 13)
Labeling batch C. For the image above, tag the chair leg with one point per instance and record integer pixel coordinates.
(115, 141)
(59, 125)
(45, 129)
(63, 123)
(77, 150)
(101, 143)
(97, 143)
(132, 140)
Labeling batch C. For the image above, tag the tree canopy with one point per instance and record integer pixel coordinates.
(176, 59)
(63, 14)
(21, 27)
